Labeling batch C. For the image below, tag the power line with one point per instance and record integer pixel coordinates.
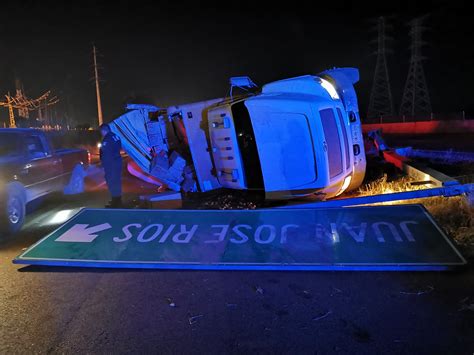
(21, 103)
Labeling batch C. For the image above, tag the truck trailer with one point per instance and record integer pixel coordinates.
(293, 138)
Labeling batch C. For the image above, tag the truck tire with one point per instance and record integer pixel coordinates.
(14, 211)
(76, 181)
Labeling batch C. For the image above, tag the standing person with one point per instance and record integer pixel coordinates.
(112, 163)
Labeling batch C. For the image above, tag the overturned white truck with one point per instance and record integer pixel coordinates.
(296, 137)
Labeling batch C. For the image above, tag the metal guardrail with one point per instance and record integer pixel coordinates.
(447, 191)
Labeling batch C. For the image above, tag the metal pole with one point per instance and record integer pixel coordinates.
(447, 191)
(97, 89)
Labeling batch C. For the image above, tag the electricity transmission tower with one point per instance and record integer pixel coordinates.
(381, 102)
(97, 88)
(416, 99)
(21, 103)
(22, 112)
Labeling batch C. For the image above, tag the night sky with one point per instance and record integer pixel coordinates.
(164, 54)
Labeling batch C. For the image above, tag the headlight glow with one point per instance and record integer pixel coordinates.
(345, 185)
(330, 89)
(62, 216)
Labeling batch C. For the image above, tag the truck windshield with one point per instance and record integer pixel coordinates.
(247, 146)
(9, 144)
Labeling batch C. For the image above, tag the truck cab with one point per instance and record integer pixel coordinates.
(295, 138)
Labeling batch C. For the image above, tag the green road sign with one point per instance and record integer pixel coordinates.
(373, 238)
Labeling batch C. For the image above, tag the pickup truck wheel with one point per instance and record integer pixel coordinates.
(14, 213)
(76, 182)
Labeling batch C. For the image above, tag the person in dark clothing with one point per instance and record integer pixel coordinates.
(112, 164)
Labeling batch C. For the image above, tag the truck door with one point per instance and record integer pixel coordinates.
(44, 168)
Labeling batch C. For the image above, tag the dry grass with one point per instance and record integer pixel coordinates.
(456, 217)
(383, 186)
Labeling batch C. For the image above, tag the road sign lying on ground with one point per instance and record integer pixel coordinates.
(367, 238)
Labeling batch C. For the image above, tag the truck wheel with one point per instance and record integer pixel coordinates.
(76, 182)
(14, 213)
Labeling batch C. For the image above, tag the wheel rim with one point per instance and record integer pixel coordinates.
(14, 210)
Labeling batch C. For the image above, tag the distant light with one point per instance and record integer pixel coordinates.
(61, 216)
(99, 145)
(345, 185)
(330, 89)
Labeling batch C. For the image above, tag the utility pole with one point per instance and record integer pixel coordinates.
(381, 102)
(416, 99)
(97, 88)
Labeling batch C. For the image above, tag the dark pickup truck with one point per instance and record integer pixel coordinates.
(30, 168)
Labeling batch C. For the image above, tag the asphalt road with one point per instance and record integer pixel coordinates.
(65, 310)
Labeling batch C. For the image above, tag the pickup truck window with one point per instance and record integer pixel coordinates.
(35, 147)
(9, 144)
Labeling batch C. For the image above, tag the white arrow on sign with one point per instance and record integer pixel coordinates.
(79, 233)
